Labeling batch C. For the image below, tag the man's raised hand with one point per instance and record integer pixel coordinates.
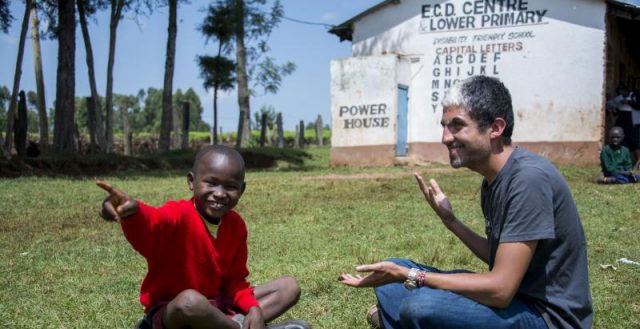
(436, 199)
(117, 204)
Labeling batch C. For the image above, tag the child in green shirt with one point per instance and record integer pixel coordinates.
(615, 160)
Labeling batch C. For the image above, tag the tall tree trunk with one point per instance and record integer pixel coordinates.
(243, 80)
(8, 142)
(116, 13)
(96, 127)
(64, 121)
(37, 62)
(21, 127)
(167, 91)
(215, 115)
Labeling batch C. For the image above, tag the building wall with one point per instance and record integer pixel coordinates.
(550, 54)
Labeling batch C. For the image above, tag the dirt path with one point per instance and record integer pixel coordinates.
(377, 175)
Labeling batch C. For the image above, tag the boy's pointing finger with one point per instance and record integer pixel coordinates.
(107, 187)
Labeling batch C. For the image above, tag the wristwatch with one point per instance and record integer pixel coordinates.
(411, 282)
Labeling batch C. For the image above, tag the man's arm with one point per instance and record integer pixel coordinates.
(497, 287)
(442, 207)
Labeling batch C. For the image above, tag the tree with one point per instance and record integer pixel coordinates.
(217, 71)
(270, 111)
(166, 122)
(40, 103)
(116, 14)
(32, 112)
(64, 120)
(5, 16)
(251, 27)
(195, 109)
(96, 127)
(5, 96)
(8, 142)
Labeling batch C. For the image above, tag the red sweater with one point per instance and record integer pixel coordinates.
(181, 254)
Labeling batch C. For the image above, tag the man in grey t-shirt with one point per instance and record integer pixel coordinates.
(535, 245)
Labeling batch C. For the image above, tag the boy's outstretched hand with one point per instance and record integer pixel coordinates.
(117, 204)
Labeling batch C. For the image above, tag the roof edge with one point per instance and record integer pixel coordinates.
(345, 30)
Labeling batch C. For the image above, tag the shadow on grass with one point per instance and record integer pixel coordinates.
(78, 165)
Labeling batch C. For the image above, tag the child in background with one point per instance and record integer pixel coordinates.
(615, 160)
(196, 252)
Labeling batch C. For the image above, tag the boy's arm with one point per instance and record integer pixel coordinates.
(236, 285)
(138, 220)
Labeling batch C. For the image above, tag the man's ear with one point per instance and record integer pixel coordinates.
(190, 180)
(497, 128)
(244, 186)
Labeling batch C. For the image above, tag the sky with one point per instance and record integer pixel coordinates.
(141, 48)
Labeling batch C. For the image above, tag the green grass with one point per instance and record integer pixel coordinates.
(64, 267)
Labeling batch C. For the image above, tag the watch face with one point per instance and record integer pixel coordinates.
(410, 284)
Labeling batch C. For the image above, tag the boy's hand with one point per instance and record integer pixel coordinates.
(118, 204)
(254, 319)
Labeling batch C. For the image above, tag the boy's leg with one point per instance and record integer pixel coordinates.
(277, 296)
(190, 309)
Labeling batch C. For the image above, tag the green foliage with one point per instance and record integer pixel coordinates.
(64, 267)
(5, 16)
(144, 110)
(5, 97)
(270, 111)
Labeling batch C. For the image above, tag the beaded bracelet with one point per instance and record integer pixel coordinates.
(422, 278)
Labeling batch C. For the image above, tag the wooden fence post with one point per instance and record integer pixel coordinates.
(185, 125)
(126, 129)
(263, 129)
(301, 135)
(319, 131)
(280, 138)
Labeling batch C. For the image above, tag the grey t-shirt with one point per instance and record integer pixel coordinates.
(530, 200)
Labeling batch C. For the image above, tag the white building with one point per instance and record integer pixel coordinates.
(559, 59)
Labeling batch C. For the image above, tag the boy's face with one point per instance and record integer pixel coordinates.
(616, 136)
(217, 185)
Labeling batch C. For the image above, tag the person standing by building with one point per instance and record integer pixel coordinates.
(534, 246)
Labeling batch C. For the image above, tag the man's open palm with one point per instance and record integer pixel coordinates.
(436, 198)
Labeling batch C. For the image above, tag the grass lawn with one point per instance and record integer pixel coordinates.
(64, 267)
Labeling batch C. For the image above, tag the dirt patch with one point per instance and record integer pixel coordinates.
(378, 175)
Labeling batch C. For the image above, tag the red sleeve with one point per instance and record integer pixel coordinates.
(146, 226)
(237, 285)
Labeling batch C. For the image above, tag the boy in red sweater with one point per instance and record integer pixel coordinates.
(196, 252)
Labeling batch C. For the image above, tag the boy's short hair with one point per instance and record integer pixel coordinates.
(485, 99)
(222, 150)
